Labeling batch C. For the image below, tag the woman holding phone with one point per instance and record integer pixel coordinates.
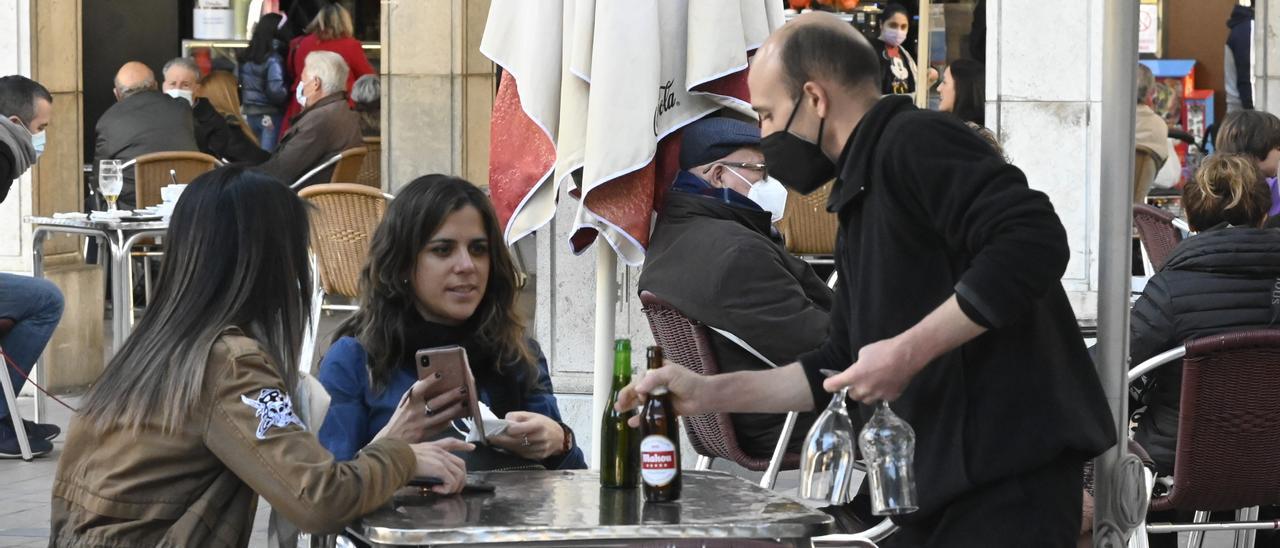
(193, 418)
(439, 275)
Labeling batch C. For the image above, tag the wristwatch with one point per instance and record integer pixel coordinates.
(568, 439)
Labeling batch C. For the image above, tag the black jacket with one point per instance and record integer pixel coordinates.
(719, 264)
(1240, 40)
(143, 123)
(263, 85)
(223, 139)
(928, 209)
(1217, 281)
(6, 168)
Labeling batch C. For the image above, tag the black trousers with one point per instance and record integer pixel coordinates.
(1039, 509)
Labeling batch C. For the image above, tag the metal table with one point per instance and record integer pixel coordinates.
(115, 240)
(569, 508)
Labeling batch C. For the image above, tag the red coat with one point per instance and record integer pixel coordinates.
(350, 50)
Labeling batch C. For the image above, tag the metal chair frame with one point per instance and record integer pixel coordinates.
(331, 162)
(1246, 525)
(24, 445)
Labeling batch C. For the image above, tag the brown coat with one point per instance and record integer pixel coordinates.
(200, 486)
(322, 130)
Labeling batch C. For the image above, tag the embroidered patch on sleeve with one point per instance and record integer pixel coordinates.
(273, 408)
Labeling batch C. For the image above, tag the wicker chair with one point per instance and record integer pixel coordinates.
(808, 229)
(1157, 231)
(151, 172)
(342, 224)
(1228, 435)
(688, 343)
(371, 170)
(345, 167)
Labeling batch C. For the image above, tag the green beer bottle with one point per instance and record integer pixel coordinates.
(619, 443)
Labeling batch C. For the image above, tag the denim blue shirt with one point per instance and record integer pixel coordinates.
(357, 412)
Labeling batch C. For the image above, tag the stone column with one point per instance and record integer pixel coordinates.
(1047, 117)
(1266, 59)
(437, 90)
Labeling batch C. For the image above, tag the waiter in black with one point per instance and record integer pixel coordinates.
(949, 304)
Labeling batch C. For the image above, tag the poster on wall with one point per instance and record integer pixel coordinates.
(1149, 28)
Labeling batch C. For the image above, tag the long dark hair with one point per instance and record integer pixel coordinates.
(971, 84)
(262, 45)
(387, 299)
(236, 255)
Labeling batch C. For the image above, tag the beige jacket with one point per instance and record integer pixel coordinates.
(200, 487)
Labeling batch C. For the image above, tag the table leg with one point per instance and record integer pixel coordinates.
(121, 296)
(37, 269)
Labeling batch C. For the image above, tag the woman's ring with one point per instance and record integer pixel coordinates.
(525, 442)
(429, 410)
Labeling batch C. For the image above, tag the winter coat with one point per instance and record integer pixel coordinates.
(1217, 281)
(263, 87)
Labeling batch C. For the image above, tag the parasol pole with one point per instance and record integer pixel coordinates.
(606, 312)
(1119, 491)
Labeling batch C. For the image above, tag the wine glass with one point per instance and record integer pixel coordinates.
(888, 444)
(826, 460)
(110, 181)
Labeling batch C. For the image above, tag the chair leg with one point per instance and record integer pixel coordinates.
(1246, 538)
(24, 445)
(1196, 538)
(770, 476)
(146, 280)
(1139, 538)
(704, 463)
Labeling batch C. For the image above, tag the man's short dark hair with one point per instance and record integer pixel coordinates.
(820, 51)
(18, 95)
(1252, 132)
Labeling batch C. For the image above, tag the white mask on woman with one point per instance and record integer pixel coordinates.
(893, 37)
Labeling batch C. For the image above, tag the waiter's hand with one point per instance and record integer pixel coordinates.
(683, 385)
(882, 372)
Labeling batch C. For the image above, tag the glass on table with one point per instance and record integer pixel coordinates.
(110, 181)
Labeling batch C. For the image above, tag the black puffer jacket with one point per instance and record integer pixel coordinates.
(1215, 282)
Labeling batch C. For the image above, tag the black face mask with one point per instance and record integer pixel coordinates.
(795, 162)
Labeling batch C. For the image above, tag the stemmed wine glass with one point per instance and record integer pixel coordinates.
(826, 460)
(110, 181)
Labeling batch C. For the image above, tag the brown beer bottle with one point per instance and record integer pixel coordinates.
(660, 444)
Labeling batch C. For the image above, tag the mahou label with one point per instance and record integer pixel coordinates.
(658, 463)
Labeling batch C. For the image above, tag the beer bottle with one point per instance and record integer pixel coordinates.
(619, 443)
(659, 449)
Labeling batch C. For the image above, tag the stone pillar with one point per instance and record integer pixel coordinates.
(1047, 117)
(1266, 59)
(437, 90)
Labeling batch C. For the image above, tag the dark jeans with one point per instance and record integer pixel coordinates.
(267, 137)
(35, 306)
(1038, 509)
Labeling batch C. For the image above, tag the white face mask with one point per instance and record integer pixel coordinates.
(301, 97)
(769, 194)
(893, 37)
(184, 94)
(37, 142)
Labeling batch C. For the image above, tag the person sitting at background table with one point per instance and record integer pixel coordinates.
(1217, 281)
(437, 275)
(142, 121)
(330, 30)
(193, 418)
(367, 94)
(217, 134)
(1254, 133)
(325, 127)
(715, 256)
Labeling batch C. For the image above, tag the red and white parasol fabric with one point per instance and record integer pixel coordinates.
(597, 92)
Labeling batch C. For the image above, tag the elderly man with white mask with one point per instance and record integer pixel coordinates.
(326, 125)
